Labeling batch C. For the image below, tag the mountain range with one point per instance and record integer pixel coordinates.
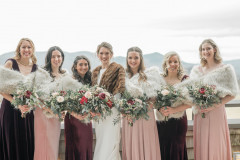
(152, 59)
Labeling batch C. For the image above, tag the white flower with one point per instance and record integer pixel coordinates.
(88, 94)
(99, 89)
(54, 94)
(107, 94)
(165, 92)
(60, 99)
(138, 100)
(120, 102)
(19, 91)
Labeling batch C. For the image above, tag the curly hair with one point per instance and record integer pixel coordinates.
(87, 77)
(165, 64)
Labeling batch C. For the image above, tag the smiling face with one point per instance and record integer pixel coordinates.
(82, 67)
(173, 64)
(104, 55)
(133, 60)
(207, 51)
(26, 50)
(56, 59)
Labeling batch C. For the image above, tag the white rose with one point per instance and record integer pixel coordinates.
(19, 91)
(138, 100)
(107, 94)
(60, 99)
(99, 89)
(54, 94)
(165, 92)
(88, 94)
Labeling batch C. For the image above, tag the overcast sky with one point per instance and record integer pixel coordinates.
(153, 25)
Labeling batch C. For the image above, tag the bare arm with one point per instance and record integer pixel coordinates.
(171, 110)
(225, 100)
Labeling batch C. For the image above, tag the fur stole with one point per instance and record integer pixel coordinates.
(9, 79)
(224, 78)
(149, 87)
(113, 79)
(187, 101)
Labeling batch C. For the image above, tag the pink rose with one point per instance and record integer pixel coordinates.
(130, 102)
(102, 96)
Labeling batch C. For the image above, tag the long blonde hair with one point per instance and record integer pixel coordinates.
(142, 75)
(17, 51)
(165, 64)
(217, 56)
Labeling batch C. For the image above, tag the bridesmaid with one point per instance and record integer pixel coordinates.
(47, 128)
(172, 133)
(17, 133)
(140, 141)
(112, 77)
(78, 135)
(211, 134)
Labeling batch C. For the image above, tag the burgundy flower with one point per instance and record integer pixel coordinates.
(28, 94)
(102, 96)
(110, 104)
(63, 93)
(130, 102)
(202, 90)
(81, 91)
(83, 100)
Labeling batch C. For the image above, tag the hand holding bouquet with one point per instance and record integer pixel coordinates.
(57, 103)
(25, 98)
(204, 95)
(132, 108)
(92, 103)
(167, 96)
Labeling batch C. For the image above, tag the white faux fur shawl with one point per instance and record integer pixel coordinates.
(149, 87)
(9, 79)
(224, 78)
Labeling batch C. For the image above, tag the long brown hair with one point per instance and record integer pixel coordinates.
(17, 51)
(142, 75)
(48, 65)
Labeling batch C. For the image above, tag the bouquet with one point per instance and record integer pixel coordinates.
(26, 95)
(167, 96)
(94, 103)
(204, 95)
(57, 102)
(132, 108)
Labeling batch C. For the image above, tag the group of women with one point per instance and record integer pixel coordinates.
(37, 136)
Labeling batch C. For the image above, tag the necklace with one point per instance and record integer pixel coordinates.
(23, 63)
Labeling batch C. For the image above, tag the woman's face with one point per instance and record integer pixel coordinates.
(56, 59)
(26, 49)
(173, 64)
(104, 55)
(207, 51)
(133, 60)
(82, 67)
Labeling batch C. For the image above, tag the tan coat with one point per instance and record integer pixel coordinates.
(113, 79)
